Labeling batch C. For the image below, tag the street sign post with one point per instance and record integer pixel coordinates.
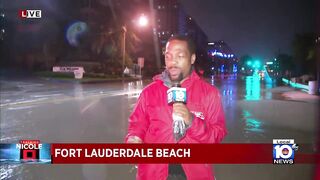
(141, 65)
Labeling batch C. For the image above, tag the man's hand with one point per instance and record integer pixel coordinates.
(182, 110)
(134, 139)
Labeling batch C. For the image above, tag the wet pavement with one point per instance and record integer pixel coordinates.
(59, 112)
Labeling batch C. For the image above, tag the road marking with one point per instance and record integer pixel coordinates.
(46, 95)
(89, 105)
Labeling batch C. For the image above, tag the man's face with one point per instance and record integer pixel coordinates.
(178, 60)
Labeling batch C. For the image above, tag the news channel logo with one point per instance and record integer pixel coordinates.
(283, 151)
(26, 151)
(177, 94)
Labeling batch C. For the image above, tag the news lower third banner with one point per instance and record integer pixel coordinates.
(279, 152)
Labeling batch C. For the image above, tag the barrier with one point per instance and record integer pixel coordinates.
(313, 87)
(78, 74)
(77, 70)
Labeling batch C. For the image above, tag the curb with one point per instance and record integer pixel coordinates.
(88, 81)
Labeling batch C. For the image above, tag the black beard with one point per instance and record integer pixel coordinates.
(180, 78)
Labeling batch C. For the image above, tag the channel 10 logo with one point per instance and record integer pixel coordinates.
(283, 151)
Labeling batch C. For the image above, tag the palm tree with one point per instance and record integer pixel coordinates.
(108, 45)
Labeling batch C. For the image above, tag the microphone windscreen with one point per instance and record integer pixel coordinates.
(177, 94)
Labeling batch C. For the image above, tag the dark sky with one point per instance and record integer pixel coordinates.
(259, 28)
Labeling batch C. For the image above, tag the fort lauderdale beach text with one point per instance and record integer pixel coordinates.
(123, 152)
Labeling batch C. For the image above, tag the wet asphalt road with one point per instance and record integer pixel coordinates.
(62, 112)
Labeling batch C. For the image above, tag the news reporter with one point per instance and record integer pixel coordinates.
(152, 122)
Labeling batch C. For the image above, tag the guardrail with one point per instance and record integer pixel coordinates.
(311, 88)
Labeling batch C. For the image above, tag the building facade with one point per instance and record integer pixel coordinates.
(222, 58)
(172, 19)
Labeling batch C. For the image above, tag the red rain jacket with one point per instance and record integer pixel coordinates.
(151, 121)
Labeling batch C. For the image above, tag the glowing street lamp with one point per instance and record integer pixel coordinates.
(142, 22)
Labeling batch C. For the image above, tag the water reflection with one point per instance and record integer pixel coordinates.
(253, 128)
(252, 88)
(268, 85)
(134, 89)
(8, 171)
(78, 91)
(257, 88)
(249, 88)
(228, 86)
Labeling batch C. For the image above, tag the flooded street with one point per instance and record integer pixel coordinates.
(59, 112)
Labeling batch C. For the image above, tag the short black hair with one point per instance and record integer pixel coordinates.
(187, 39)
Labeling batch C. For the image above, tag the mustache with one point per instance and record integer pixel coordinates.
(173, 67)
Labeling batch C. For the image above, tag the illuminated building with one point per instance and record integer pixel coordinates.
(172, 19)
(223, 60)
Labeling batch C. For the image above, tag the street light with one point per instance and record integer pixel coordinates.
(142, 22)
(124, 49)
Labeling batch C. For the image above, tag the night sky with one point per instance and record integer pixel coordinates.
(258, 28)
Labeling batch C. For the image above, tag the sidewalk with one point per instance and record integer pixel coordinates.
(296, 94)
(298, 110)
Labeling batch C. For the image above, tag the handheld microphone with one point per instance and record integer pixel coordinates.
(177, 94)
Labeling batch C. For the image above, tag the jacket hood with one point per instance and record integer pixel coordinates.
(165, 79)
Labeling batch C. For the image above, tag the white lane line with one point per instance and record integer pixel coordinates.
(19, 108)
(46, 95)
(89, 105)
